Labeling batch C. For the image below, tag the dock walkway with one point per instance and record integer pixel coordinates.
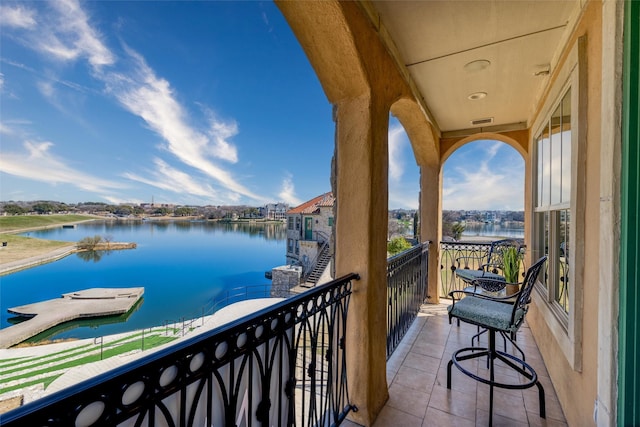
(82, 304)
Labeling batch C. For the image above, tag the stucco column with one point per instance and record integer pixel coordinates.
(361, 232)
(430, 218)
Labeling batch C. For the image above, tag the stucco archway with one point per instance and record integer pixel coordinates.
(518, 140)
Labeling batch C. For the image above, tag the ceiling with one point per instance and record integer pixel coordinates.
(515, 42)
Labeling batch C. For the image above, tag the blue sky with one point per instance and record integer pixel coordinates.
(183, 102)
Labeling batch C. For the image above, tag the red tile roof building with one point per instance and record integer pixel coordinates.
(309, 226)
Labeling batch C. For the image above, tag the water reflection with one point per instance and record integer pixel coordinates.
(507, 229)
(94, 256)
(181, 264)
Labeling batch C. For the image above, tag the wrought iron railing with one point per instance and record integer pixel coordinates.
(472, 254)
(454, 255)
(283, 365)
(406, 291)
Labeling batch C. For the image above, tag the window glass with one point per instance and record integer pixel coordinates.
(556, 155)
(562, 290)
(545, 161)
(552, 217)
(540, 170)
(566, 147)
(546, 227)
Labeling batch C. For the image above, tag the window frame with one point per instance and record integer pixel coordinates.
(548, 212)
(565, 327)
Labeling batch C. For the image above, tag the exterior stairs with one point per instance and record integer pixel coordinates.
(323, 260)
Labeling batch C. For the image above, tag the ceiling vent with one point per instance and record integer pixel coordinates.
(486, 121)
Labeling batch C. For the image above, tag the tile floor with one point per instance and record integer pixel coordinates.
(417, 378)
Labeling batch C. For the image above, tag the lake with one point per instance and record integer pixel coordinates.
(493, 230)
(183, 266)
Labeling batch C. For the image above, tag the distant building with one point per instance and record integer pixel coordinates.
(275, 211)
(309, 230)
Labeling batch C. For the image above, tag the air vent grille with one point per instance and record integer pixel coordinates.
(486, 121)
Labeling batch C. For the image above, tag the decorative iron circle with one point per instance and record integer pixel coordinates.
(241, 340)
(132, 393)
(90, 414)
(221, 350)
(197, 361)
(259, 331)
(167, 376)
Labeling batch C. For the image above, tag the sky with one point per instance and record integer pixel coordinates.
(189, 103)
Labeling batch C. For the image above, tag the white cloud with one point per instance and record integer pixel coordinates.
(479, 185)
(39, 164)
(168, 178)
(72, 36)
(151, 98)
(46, 89)
(115, 200)
(4, 129)
(68, 35)
(403, 200)
(17, 17)
(288, 192)
(397, 137)
(220, 132)
(493, 149)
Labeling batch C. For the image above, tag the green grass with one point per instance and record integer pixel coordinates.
(150, 342)
(46, 381)
(11, 223)
(12, 361)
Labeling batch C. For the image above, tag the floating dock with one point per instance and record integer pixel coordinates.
(94, 302)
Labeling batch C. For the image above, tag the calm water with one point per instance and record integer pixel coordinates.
(493, 230)
(182, 265)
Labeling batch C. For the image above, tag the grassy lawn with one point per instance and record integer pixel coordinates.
(150, 342)
(20, 222)
(21, 247)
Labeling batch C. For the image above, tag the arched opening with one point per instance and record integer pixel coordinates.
(483, 200)
(404, 184)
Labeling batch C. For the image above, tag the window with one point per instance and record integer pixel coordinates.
(558, 193)
(553, 202)
(297, 247)
(290, 245)
(290, 223)
(330, 221)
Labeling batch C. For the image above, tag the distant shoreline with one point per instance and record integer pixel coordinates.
(33, 257)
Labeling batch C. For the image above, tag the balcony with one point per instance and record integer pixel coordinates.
(287, 365)
(417, 378)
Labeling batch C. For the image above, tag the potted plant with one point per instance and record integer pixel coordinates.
(511, 269)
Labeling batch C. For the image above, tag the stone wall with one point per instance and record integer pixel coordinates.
(284, 278)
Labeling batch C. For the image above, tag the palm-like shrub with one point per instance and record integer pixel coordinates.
(511, 264)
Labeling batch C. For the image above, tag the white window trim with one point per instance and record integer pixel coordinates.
(568, 334)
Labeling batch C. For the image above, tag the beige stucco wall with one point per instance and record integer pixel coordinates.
(577, 389)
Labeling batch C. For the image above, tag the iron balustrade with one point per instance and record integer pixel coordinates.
(471, 254)
(406, 291)
(455, 255)
(283, 365)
